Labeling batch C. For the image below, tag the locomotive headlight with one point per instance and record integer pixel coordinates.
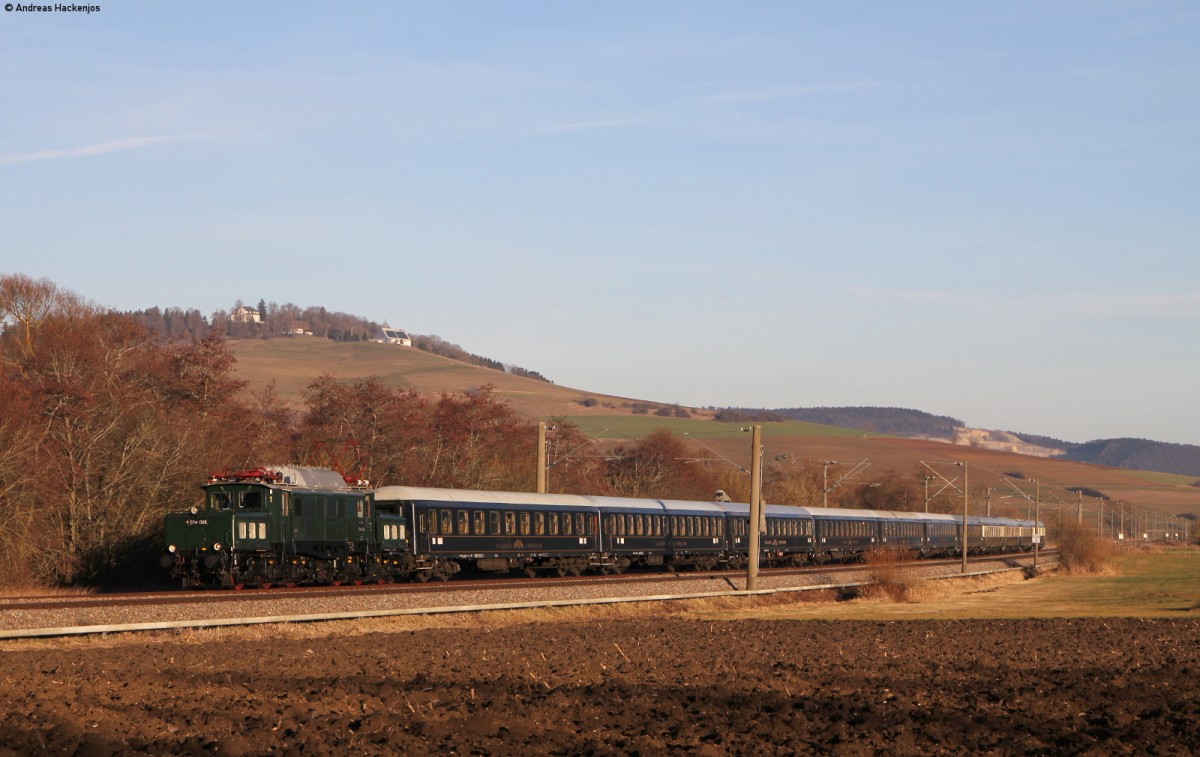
(217, 547)
(194, 510)
(171, 549)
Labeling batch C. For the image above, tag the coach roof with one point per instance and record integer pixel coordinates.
(468, 497)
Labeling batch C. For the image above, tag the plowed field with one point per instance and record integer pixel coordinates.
(633, 686)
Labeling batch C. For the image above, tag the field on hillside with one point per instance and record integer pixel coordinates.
(294, 363)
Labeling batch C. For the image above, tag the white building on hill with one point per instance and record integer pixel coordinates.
(245, 314)
(389, 335)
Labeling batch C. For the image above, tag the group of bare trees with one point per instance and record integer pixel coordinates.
(103, 427)
(106, 425)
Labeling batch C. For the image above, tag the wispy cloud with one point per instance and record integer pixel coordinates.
(1169, 305)
(102, 148)
(618, 122)
(765, 94)
(1089, 306)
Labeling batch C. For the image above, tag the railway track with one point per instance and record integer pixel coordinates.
(462, 583)
(27, 617)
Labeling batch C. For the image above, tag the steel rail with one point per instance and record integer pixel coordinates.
(30, 633)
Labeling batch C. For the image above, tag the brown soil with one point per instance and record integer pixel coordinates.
(632, 686)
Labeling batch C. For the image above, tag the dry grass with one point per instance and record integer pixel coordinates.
(1083, 552)
(14, 590)
(889, 576)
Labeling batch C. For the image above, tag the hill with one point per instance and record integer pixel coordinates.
(895, 421)
(293, 363)
(1135, 454)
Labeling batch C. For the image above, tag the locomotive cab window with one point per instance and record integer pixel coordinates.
(220, 501)
(250, 500)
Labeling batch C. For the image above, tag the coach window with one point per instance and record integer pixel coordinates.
(493, 522)
(553, 523)
(539, 523)
(658, 524)
(447, 522)
(478, 528)
(524, 523)
(420, 520)
(639, 525)
(464, 522)
(510, 524)
(568, 526)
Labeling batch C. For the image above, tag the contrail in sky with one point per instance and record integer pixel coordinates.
(115, 145)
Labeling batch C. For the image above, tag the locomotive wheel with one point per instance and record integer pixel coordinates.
(423, 576)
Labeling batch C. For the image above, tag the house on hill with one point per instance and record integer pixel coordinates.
(389, 335)
(245, 314)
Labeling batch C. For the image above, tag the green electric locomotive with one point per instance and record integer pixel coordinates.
(285, 525)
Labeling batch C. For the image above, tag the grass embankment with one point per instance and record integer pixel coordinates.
(1150, 584)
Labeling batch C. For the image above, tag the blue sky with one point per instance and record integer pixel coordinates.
(984, 210)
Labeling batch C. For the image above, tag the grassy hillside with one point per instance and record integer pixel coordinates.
(293, 363)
